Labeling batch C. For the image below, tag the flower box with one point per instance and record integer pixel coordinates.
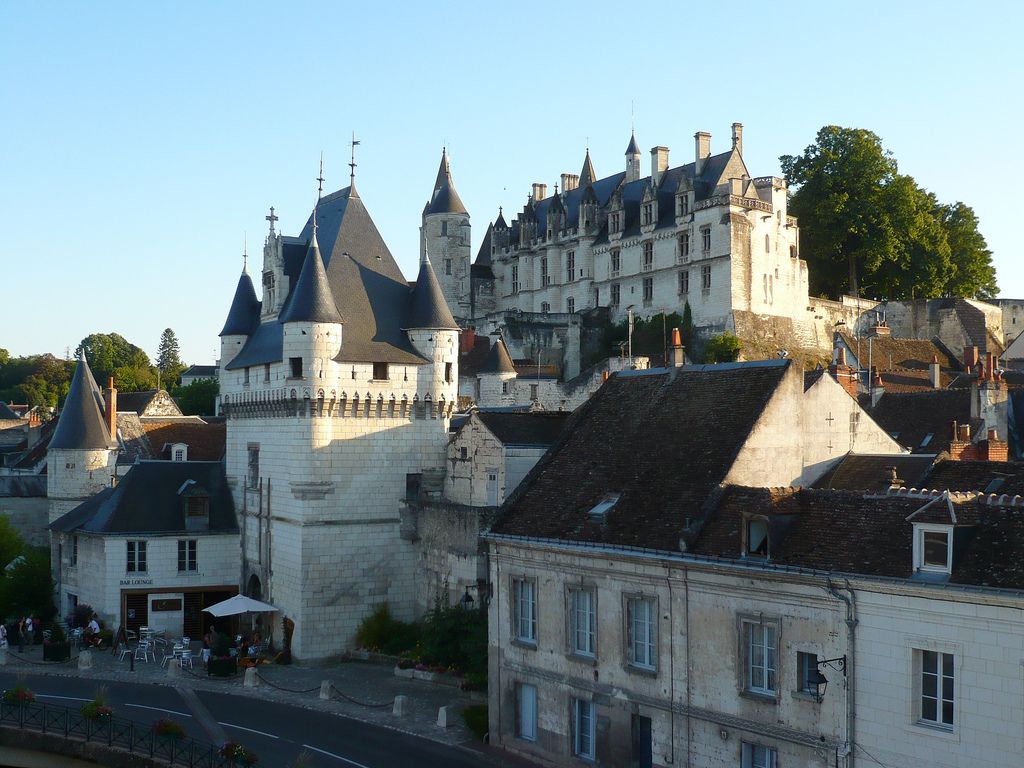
(56, 651)
(226, 667)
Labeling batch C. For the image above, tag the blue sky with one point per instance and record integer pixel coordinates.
(140, 142)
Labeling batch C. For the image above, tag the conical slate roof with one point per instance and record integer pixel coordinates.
(445, 199)
(81, 424)
(497, 360)
(499, 223)
(312, 300)
(244, 314)
(429, 308)
(633, 148)
(483, 256)
(587, 175)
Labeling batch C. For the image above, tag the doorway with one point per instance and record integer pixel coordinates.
(643, 751)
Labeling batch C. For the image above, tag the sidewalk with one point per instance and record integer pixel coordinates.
(361, 691)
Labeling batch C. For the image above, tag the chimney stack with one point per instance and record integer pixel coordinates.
(842, 372)
(110, 406)
(933, 373)
(467, 340)
(676, 354)
(659, 163)
(971, 358)
(569, 182)
(737, 137)
(702, 147)
(540, 191)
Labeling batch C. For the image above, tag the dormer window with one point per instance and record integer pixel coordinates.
(933, 548)
(648, 213)
(684, 204)
(179, 452)
(756, 535)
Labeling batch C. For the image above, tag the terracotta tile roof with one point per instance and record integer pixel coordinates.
(911, 380)
(644, 437)
(206, 442)
(888, 353)
(870, 472)
(984, 476)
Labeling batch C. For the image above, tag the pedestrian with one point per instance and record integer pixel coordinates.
(29, 631)
(21, 635)
(3, 634)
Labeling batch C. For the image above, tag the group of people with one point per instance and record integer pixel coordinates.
(242, 646)
(24, 631)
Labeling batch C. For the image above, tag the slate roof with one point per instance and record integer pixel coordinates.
(147, 500)
(136, 401)
(22, 486)
(633, 148)
(201, 371)
(81, 423)
(470, 362)
(535, 428)
(483, 256)
(870, 472)
(643, 435)
(497, 360)
(6, 414)
(311, 299)
(429, 308)
(911, 417)
(244, 314)
(587, 175)
(890, 353)
(854, 533)
(445, 199)
(983, 476)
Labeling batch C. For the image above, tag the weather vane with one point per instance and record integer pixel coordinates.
(352, 164)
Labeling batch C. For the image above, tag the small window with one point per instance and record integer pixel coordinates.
(937, 678)
(684, 245)
(197, 506)
(447, 266)
(583, 729)
(533, 391)
(615, 295)
(927, 439)
(524, 611)
(599, 510)
(807, 672)
(296, 367)
(254, 466)
(545, 307)
(570, 305)
(526, 714)
(705, 277)
(705, 239)
(266, 373)
(583, 622)
(757, 537)
(684, 282)
(179, 453)
(463, 453)
(758, 756)
(648, 290)
(504, 388)
(570, 266)
(934, 549)
(136, 552)
(616, 262)
(641, 631)
(245, 379)
(187, 557)
(760, 642)
(544, 278)
(648, 256)
(448, 372)
(412, 486)
(380, 371)
(444, 227)
(767, 244)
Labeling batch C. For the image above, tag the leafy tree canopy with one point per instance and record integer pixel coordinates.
(723, 348)
(867, 230)
(199, 398)
(110, 354)
(41, 380)
(168, 359)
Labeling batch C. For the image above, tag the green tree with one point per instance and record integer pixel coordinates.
(27, 586)
(199, 398)
(723, 348)
(686, 328)
(973, 274)
(36, 380)
(168, 359)
(107, 352)
(11, 544)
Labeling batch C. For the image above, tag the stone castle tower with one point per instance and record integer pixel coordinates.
(445, 237)
(338, 390)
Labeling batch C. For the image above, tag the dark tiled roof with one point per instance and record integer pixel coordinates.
(984, 476)
(540, 428)
(6, 414)
(870, 472)
(311, 299)
(911, 417)
(429, 308)
(244, 314)
(854, 533)
(483, 256)
(587, 175)
(22, 486)
(264, 345)
(633, 148)
(136, 401)
(201, 371)
(81, 423)
(497, 360)
(909, 380)
(445, 199)
(888, 353)
(643, 436)
(206, 442)
(811, 377)
(147, 500)
(470, 362)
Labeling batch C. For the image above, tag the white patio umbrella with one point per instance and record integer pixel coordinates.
(239, 604)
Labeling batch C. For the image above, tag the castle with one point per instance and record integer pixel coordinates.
(338, 388)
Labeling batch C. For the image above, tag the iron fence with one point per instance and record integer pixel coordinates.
(121, 733)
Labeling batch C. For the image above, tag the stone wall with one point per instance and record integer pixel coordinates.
(452, 558)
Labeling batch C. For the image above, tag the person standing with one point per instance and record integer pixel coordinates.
(29, 632)
(3, 634)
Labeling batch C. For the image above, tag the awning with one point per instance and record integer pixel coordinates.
(239, 604)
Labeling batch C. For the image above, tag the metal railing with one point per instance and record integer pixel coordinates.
(117, 732)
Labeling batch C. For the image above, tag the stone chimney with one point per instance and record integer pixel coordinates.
(894, 481)
(467, 340)
(569, 182)
(971, 358)
(110, 406)
(933, 373)
(880, 328)
(675, 353)
(737, 137)
(702, 150)
(877, 387)
(540, 191)
(843, 372)
(659, 163)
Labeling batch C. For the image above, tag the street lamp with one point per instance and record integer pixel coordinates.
(467, 600)
(819, 681)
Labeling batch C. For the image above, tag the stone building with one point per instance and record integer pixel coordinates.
(338, 388)
(608, 640)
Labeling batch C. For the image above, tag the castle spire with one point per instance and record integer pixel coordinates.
(81, 424)
(445, 199)
(312, 300)
(587, 175)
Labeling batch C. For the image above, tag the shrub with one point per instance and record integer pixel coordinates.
(167, 727)
(723, 348)
(383, 633)
(234, 751)
(57, 634)
(81, 615)
(475, 717)
(19, 694)
(97, 708)
(456, 638)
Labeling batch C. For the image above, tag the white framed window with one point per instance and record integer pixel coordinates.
(526, 711)
(757, 756)
(937, 678)
(583, 728)
(524, 611)
(760, 648)
(933, 548)
(684, 282)
(648, 257)
(641, 631)
(179, 452)
(188, 559)
(136, 552)
(583, 622)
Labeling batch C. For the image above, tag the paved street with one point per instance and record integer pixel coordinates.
(277, 724)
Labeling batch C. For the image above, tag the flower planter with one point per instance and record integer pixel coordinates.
(56, 651)
(222, 667)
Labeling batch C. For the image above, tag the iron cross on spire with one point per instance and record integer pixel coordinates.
(271, 218)
(320, 179)
(352, 164)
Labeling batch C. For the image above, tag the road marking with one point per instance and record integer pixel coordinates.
(250, 730)
(160, 709)
(69, 698)
(337, 757)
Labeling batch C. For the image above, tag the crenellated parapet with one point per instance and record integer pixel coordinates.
(307, 403)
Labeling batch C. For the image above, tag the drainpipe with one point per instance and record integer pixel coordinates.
(851, 688)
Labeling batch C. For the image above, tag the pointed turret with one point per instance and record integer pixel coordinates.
(81, 425)
(244, 315)
(632, 159)
(429, 309)
(445, 199)
(483, 256)
(587, 175)
(312, 301)
(633, 148)
(499, 223)
(497, 360)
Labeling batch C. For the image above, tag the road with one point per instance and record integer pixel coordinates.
(277, 733)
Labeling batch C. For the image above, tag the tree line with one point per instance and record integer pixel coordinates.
(868, 230)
